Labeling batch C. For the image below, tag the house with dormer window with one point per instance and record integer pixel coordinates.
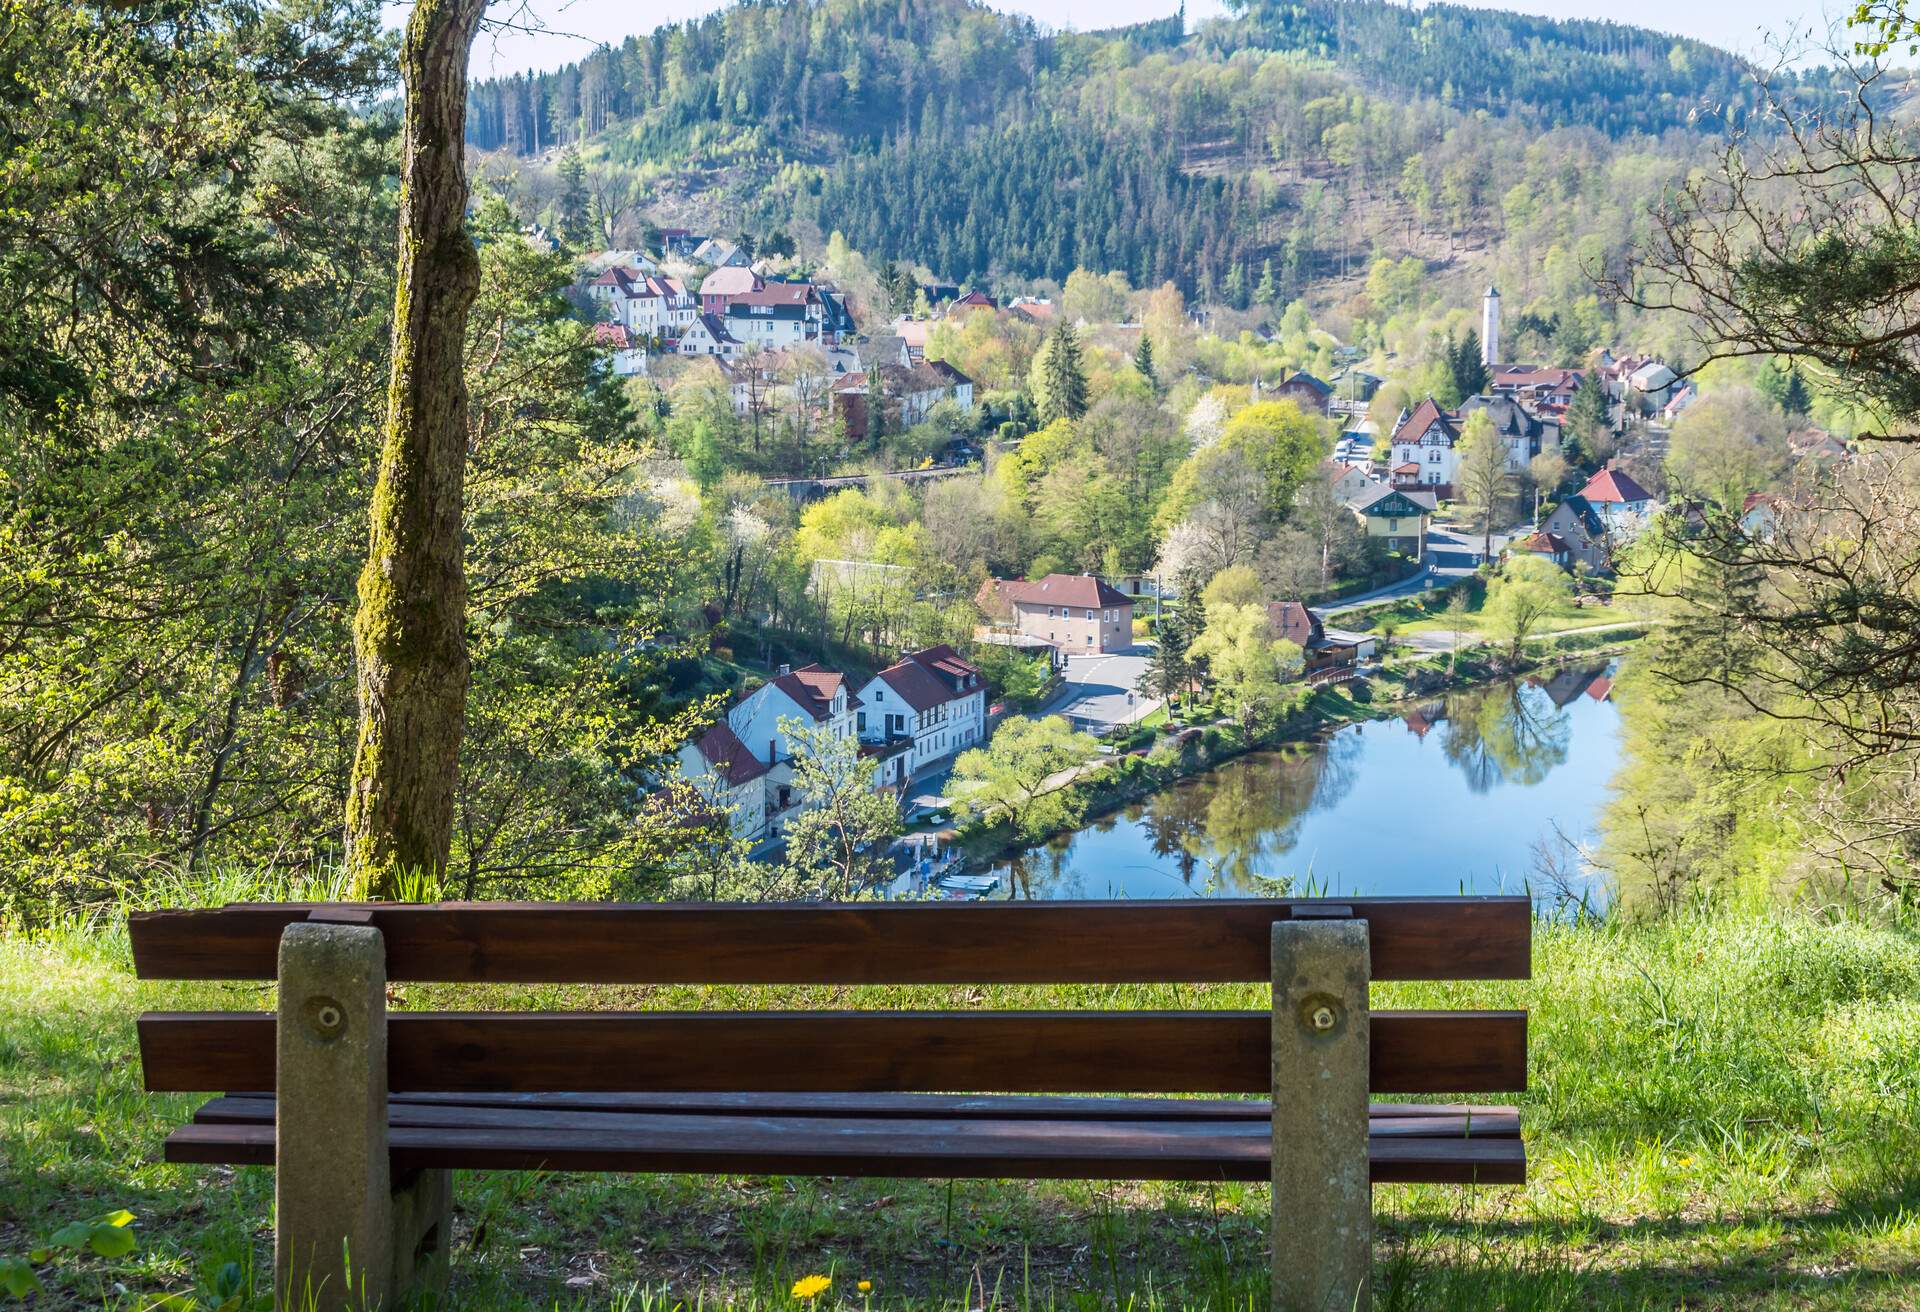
(932, 699)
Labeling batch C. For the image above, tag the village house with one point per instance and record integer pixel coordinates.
(718, 288)
(1582, 532)
(932, 700)
(706, 335)
(1321, 648)
(1622, 503)
(1076, 613)
(730, 778)
(718, 253)
(680, 241)
(647, 305)
(911, 393)
(1305, 391)
(1396, 517)
(1526, 435)
(744, 762)
(808, 694)
(1546, 545)
(1544, 391)
(627, 359)
(1348, 481)
(1424, 440)
(774, 315)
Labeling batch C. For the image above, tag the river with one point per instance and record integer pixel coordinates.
(1482, 791)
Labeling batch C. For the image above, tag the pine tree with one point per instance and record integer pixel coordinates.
(574, 225)
(1266, 290)
(1797, 399)
(1469, 371)
(1587, 424)
(1143, 361)
(1064, 376)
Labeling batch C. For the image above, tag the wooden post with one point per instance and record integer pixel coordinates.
(345, 1239)
(1322, 1225)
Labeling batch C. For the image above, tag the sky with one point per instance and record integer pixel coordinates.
(574, 27)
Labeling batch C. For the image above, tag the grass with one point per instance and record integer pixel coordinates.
(1724, 1113)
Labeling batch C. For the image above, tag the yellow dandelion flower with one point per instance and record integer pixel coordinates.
(811, 1286)
(865, 1286)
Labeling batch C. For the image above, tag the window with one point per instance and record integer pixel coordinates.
(1049, 612)
(1089, 614)
(1393, 526)
(863, 722)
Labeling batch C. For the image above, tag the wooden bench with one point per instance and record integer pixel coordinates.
(375, 1109)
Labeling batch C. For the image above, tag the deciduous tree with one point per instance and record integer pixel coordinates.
(1009, 778)
(410, 639)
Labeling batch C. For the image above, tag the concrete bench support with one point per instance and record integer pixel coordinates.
(348, 1237)
(1322, 1199)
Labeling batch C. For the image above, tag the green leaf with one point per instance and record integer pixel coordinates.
(172, 1303)
(111, 1241)
(17, 1277)
(74, 1235)
(116, 1218)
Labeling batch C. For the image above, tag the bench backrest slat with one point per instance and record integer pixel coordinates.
(1192, 940)
(896, 1052)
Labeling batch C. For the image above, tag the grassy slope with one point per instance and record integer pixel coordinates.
(1725, 1112)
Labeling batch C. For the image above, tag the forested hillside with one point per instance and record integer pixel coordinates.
(978, 145)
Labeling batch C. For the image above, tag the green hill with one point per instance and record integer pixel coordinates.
(981, 145)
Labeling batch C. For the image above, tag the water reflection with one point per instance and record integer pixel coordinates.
(1454, 796)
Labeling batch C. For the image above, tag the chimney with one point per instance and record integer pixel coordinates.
(784, 669)
(1490, 328)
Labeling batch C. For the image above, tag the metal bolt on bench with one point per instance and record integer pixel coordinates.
(373, 1111)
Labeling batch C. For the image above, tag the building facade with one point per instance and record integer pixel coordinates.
(1076, 613)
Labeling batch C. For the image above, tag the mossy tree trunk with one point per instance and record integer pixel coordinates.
(410, 633)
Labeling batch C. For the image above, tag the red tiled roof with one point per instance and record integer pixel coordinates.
(812, 689)
(722, 749)
(1599, 688)
(611, 334)
(1526, 375)
(1543, 543)
(774, 293)
(949, 664)
(1060, 590)
(1423, 417)
(730, 281)
(916, 686)
(1294, 622)
(1615, 485)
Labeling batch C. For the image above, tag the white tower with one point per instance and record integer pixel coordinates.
(1490, 328)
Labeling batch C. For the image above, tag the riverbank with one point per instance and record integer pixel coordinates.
(1178, 753)
(1723, 1112)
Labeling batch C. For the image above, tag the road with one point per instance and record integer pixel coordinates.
(1452, 553)
(1097, 688)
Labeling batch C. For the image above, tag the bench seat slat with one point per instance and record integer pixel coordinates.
(1015, 1107)
(898, 1052)
(885, 1148)
(1440, 1120)
(1116, 942)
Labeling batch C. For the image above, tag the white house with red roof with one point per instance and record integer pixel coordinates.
(731, 779)
(1075, 613)
(647, 304)
(1425, 439)
(1622, 503)
(933, 699)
